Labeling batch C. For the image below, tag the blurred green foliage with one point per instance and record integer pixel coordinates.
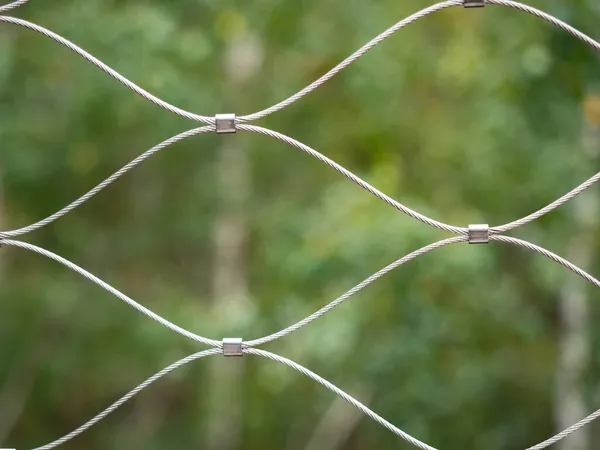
(466, 116)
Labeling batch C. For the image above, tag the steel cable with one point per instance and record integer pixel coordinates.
(546, 209)
(113, 73)
(554, 257)
(323, 382)
(112, 290)
(126, 168)
(128, 396)
(494, 232)
(13, 5)
(359, 181)
(350, 59)
(354, 290)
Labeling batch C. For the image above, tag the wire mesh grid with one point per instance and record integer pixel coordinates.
(229, 123)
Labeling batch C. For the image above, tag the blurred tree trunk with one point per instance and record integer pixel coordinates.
(2, 222)
(574, 345)
(339, 421)
(230, 288)
(574, 349)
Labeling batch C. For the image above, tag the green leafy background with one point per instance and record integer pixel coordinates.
(467, 116)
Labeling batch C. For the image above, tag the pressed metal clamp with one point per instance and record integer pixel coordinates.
(232, 347)
(473, 3)
(479, 233)
(225, 123)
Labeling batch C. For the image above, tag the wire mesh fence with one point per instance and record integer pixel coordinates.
(231, 123)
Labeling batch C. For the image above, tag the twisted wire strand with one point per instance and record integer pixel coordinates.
(112, 290)
(548, 18)
(359, 181)
(355, 289)
(548, 442)
(555, 204)
(106, 182)
(113, 73)
(323, 382)
(211, 121)
(349, 60)
(128, 396)
(13, 5)
(304, 371)
(542, 251)
(563, 434)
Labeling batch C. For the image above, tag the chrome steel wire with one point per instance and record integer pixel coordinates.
(239, 124)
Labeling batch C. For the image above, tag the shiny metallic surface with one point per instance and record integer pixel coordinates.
(232, 347)
(479, 233)
(474, 3)
(225, 123)
(229, 123)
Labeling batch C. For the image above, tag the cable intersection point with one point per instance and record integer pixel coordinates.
(225, 123)
(479, 233)
(233, 347)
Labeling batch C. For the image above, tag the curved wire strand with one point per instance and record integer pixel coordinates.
(546, 209)
(354, 290)
(554, 257)
(548, 18)
(359, 181)
(349, 60)
(248, 346)
(106, 182)
(128, 396)
(371, 414)
(419, 15)
(112, 290)
(323, 382)
(563, 434)
(113, 73)
(13, 5)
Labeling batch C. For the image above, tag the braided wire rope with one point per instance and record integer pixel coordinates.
(13, 5)
(494, 233)
(85, 197)
(182, 362)
(74, 267)
(113, 73)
